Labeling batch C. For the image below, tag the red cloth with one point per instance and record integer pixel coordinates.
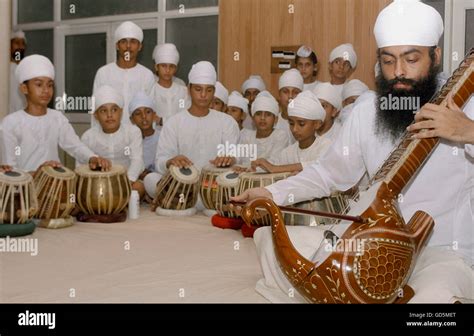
(247, 231)
(227, 223)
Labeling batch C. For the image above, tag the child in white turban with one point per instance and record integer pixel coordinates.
(221, 96)
(119, 142)
(342, 63)
(265, 138)
(31, 136)
(351, 91)
(331, 101)
(250, 89)
(306, 116)
(169, 94)
(237, 107)
(307, 64)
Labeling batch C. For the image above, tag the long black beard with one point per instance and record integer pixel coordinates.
(391, 123)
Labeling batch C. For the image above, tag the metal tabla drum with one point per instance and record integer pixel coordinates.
(259, 180)
(208, 187)
(102, 193)
(56, 191)
(177, 192)
(18, 202)
(337, 203)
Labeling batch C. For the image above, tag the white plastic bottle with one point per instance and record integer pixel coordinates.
(134, 205)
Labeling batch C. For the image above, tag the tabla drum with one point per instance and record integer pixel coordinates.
(258, 180)
(177, 192)
(56, 191)
(336, 203)
(208, 187)
(18, 203)
(227, 187)
(102, 193)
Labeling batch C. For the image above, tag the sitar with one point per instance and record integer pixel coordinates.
(379, 269)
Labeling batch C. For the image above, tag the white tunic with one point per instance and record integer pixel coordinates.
(126, 81)
(294, 154)
(149, 150)
(28, 141)
(17, 99)
(248, 123)
(170, 101)
(438, 189)
(123, 147)
(310, 86)
(266, 147)
(197, 138)
(333, 132)
(284, 125)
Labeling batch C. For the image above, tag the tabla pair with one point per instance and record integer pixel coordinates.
(51, 196)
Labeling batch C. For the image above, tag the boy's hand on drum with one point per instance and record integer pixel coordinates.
(223, 161)
(179, 161)
(262, 163)
(239, 169)
(252, 194)
(5, 168)
(97, 162)
(54, 164)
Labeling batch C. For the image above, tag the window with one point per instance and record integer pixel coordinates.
(76, 9)
(35, 11)
(178, 4)
(469, 43)
(40, 42)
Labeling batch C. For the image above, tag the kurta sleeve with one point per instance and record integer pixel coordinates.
(136, 154)
(9, 143)
(70, 142)
(340, 168)
(167, 145)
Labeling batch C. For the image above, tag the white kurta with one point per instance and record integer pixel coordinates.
(28, 141)
(334, 131)
(126, 81)
(310, 86)
(197, 138)
(149, 150)
(266, 147)
(442, 188)
(170, 101)
(123, 147)
(284, 125)
(248, 123)
(294, 154)
(17, 99)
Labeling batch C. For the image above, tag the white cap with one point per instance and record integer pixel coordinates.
(107, 95)
(237, 100)
(166, 53)
(307, 106)
(304, 51)
(221, 92)
(140, 99)
(34, 66)
(18, 34)
(329, 93)
(265, 102)
(353, 88)
(408, 22)
(253, 82)
(203, 73)
(345, 51)
(128, 29)
(291, 78)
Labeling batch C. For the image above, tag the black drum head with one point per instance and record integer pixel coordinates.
(232, 175)
(185, 171)
(59, 169)
(12, 173)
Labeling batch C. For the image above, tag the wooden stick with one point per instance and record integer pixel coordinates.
(356, 219)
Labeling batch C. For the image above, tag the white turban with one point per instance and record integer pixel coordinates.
(408, 22)
(203, 73)
(237, 100)
(253, 82)
(221, 92)
(345, 51)
(18, 34)
(307, 106)
(34, 66)
(328, 93)
(128, 29)
(166, 54)
(265, 102)
(291, 78)
(107, 95)
(304, 51)
(353, 88)
(140, 99)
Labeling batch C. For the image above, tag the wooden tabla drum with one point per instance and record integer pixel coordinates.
(336, 203)
(259, 180)
(18, 203)
(56, 191)
(208, 187)
(227, 187)
(177, 192)
(102, 193)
